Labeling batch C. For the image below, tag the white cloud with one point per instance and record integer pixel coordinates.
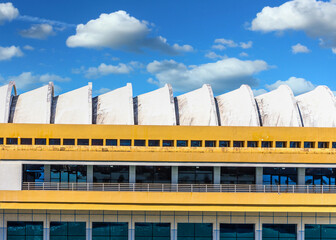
(119, 30)
(218, 47)
(333, 50)
(243, 54)
(223, 75)
(38, 31)
(28, 47)
(246, 45)
(298, 85)
(226, 42)
(7, 53)
(213, 55)
(8, 12)
(299, 48)
(315, 18)
(222, 43)
(257, 92)
(103, 70)
(101, 91)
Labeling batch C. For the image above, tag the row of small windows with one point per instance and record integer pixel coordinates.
(162, 143)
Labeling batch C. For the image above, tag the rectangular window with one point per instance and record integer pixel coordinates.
(279, 231)
(68, 141)
(83, 142)
(309, 144)
(152, 231)
(294, 144)
(279, 176)
(26, 141)
(125, 142)
(97, 142)
(110, 174)
(11, 141)
(194, 143)
(224, 143)
(168, 143)
(109, 230)
(333, 145)
(238, 144)
(237, 231)
(194, 231)
(280, 144)
(1, 141)
(238, 175)
(67, 230)
(111, 142)
(320, 231)
(154, 143)
(140, 143)
(323, 144)
(24, 230)
(320, 176)
(266, 144)
(252, 144)
(33, 173)
(182, 143)
(68, 173)
(153, 174)
(54, 141)
(40, 141)
(195, 175)
(210, 144)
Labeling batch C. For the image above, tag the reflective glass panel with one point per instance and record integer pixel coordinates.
(279, 231)
(33, 173)
(195, 175)
(320, 176)
(238, 175)
(67, 230)
(110, 174)
(279, 176)
(153, 174)
(24, 230)
(194, 231)
(109, 230)
(237, 231)
(152, 231)
(68, 173)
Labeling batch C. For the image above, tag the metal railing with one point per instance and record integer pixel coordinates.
(158, 187)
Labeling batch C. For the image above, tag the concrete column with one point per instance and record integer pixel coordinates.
(46, 173)
(132, 174)
(217, 175)
(301, 172)
(89, 174)
(174, 174)
(259, 175)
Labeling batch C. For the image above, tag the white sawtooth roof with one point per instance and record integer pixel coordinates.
(6, 100)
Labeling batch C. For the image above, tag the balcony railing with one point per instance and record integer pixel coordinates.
(158, 187)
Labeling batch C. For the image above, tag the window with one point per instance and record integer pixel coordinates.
(153, 174)
(110, 174)
(320, 232)
(11, 141)
(68, 141)
(280, 144)
(323, 144)
(194, 231)
(294, 144)
(153, 143)
(308, 144)
(238, 175)
(238, 143)
(67, 230)
(97, 142)
(40, 141)
(111, 142)
(194, 143)
(252, 144)
(26, 141)
(152, 231)
(237, 231)
(67, 173)
(195, 175)
(266, 144)
(1, 141)
(320, 176)
(168, 143)
(210, 144)
(54, 141)
(182, 143)
(224, 143)
(333, 145)
(109, 230)
(125, 142)
(33, 173)
(139, 142)
(24, 230)
(83, 142)
(280, 176)
(279, 231)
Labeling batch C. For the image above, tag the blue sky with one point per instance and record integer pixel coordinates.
(183, 43)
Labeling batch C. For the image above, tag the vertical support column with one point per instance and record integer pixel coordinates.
(89, 174)
(174, 174)
(132, 174)
(46, 223)
(46, 173)
(217, 175)
(259, 175)
(301, 176)
(258, 229)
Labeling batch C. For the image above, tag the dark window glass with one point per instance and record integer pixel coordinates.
(111, 142)
(252, 144)
(26, 141)
(308, 145)
(195, 175)
(266, 144)
(40, 141)
(125, 142)
(67, 173)
(54, 141)
(323, 144)
(67, 230)
(320, 176)
(210, 144)
(237, 231)
(139, 142)
(294, 145)
(280, 144)
(168, 143)
(238, 143)
(97, 142)
(24, 230)
(320, 232)
(279, 176)
(182, 143)
(110, 174)
(153, 174)
(33, 173)
(279, 231)
(194, 231)
(152, 231)
(83, 142)
(109, 230)
(68, 141)
(195, 143)
(333, 144)
(238, 175)
(224, 143)
(11, 141)
(153, 143)
(1, 141)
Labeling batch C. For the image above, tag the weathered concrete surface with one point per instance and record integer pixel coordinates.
(73, 107)
(5, 101)
(197, 108)
(114, 107)
(33, 106)
(278, 108)
(156, 107)
(318, 107)
(238, 108)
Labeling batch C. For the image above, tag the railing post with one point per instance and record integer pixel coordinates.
(307, 188)
(235, 188)
(206, 188)
(118, 187)
(103, 187)
(133, 186)
(293, 189)
(191, 188)
(249, 188)
(162, 187)
(58, 187)
(28, 185)
(220, 188)
(148, 187)
(322, 189)
(278, 188)
(264, 188)
(71, 186)
(177, 188)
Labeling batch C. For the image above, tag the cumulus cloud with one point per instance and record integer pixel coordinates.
(257, 92)
(315, 18)
(243, 54)
(107, 69)
(223, 75)
(8, 12)
(299, 48)
(246, 45)
(101, 91)
(38, 31)
(222, 43)
(28, 47)
(119, 30)
(213, 55)
(298, 85)
(7, 53)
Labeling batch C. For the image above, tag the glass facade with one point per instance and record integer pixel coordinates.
(153, 174)
(320, 232)
(67, 231)
(24, 231)
(194, 231)
(33, 173)
(279, 231)
(320, 176)
(109, 231)
(110, 174)
(237, 231)
(195, 175)
(280, 176)
(67, 173)
(152, 231)
(238, 175)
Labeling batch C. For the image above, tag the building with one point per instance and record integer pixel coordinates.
(159, 167)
